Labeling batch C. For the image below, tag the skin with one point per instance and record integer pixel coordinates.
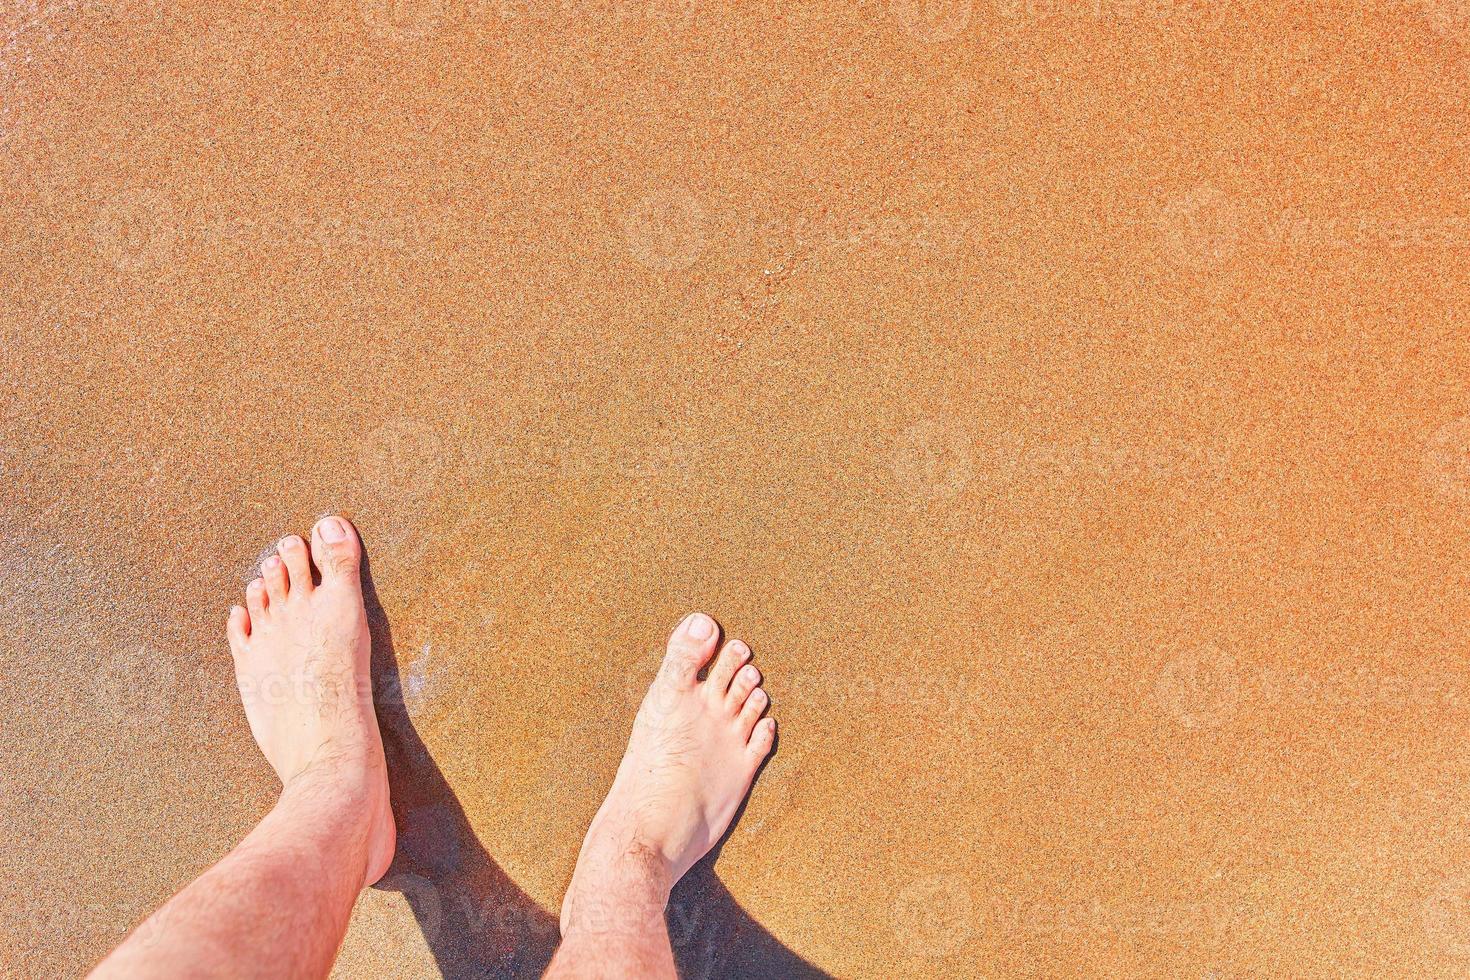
(695, 747)
(278, 905)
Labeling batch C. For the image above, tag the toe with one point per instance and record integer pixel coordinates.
(298, 563)
(336, 550)
(690, 647)
(761, 740)
(238, 628)
(751, 713)
(255, 601)
(746, 680)
(731, 657)
(273, 571)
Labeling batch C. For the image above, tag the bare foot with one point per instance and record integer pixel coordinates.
(301, 663)
(695, 748)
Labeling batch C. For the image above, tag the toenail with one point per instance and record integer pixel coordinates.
(699, 627)
(272, 562)
(748, 673)
(332, 530)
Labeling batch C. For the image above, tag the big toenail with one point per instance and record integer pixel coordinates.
(700, 627)
(333, 531)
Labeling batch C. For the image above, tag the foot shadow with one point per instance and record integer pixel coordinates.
(714, 937)
(476, 921)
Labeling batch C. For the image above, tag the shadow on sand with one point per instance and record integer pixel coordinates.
(477, 922)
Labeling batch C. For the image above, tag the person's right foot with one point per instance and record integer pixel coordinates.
(695, 747)
(302, 665)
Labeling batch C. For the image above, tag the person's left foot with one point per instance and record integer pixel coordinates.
(301, 662)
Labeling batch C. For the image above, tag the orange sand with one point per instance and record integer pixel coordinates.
(1067, 401)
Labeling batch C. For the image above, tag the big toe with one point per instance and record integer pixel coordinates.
(336, 550)
(690, 647)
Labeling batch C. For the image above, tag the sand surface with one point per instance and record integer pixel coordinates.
(1068, 402)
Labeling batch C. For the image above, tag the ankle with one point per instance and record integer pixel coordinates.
(351, 777)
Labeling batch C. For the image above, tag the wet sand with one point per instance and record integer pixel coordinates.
(1067, 402)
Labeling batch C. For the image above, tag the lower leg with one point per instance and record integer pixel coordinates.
(278, 905)
(615, 927)
(695, 748)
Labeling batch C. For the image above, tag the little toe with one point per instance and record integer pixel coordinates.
(731, 657)
(255, 601)
(273, 571)
(761, 740)
(237, 628)
(751, 713)
(298, 563)
(746, 680)
(690, 647)
(337, 551)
